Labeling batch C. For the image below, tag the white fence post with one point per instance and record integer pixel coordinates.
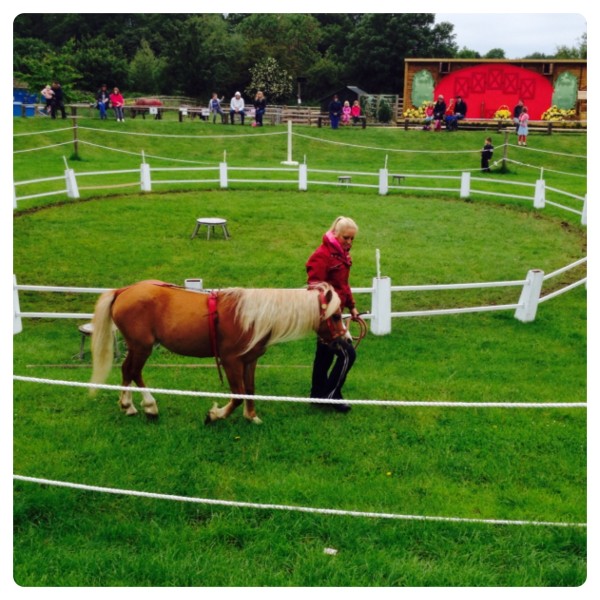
(383, 182)
(539, 200)
(465, 184)
(303, 177)
(223, 174)
(381, 306)
(17, 323)
(72, 189)
(530, 296)
(290, 160)
(14, 196)
(583, 213)
(145, 179)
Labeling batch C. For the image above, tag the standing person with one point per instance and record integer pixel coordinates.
(516, 114)
(439, 112)
(214, 107)
(523, 127)
(355, 112)
(117, 102)
(331, 263)
(260, 106)
(102, 101)
(486, 155)
(237, 107)
(335, 112)
(47, 94)
(58, 101)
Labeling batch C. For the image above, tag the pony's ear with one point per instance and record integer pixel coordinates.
(329, 295)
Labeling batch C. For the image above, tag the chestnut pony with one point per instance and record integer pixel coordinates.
(234, 325)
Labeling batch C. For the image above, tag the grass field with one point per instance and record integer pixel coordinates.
(515, 464)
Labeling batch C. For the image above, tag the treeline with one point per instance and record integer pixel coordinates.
(196, 54)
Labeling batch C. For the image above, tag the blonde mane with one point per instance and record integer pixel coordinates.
(281, 315)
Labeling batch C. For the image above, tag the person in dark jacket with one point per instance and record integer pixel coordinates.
(518, 109)
(260, 105)
(439, 113)
(460, 111)
(335, 112)
(486, 155)
(331, 263)
(58, 101)
(102, 101)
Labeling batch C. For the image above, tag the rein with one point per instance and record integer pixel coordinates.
(213, 318)
(362, 331)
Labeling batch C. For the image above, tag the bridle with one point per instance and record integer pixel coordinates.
(334, 332)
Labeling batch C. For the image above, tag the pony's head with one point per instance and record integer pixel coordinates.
(331, 324)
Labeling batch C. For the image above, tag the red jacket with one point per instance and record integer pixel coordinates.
(331, 264)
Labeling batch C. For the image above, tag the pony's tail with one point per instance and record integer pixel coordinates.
(102, 339)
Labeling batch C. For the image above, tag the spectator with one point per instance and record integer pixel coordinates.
(260, 106)
(214, 107)
(439, 112)
(516, 114)
(355, 112)
(460, 111)
(237, 107)
(523, 127)
(449, 116)
(47, 94)
(428, 116)
(346, 111)
(486, 155)
(335, 112)
(58, 102)
(117, 102)
(102, 101)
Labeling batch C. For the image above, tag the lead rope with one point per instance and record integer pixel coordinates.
(362, 331)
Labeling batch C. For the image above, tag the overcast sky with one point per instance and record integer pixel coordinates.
(518, 34)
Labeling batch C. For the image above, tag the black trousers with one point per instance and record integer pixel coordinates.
(326, 383)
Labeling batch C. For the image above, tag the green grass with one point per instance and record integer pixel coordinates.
(471, 463)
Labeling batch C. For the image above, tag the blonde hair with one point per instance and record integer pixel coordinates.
(342, 223)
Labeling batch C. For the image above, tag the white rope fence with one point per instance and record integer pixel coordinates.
(224, 395)
(286, 507)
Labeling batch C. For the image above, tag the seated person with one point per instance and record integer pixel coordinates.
(237, 106)
(449, 116)
(460, 111)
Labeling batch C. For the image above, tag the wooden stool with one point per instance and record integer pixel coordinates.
(211, 223)
(398, 178)
(344, 179)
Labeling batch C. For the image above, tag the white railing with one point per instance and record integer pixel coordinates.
(381, 313)
(302, 177)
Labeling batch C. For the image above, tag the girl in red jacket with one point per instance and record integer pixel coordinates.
(331, 263)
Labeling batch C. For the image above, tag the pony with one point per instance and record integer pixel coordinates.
(235, 325)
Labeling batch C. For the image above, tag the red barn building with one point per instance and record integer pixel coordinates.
(487, 84)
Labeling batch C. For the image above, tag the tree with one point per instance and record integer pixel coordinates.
(269, 77)
(495, 53)
(464, 52)
(376, 48)
(146, 70)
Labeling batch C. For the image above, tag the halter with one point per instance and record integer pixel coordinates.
(323, 311)
(213, 317)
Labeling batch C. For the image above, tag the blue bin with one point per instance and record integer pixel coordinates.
(30, 110)
(17, 109)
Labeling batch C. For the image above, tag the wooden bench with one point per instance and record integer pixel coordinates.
(323, 119)
(141, 109)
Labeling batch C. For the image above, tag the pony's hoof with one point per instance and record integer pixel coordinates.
(254, 420)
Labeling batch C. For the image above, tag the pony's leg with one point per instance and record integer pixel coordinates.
(132, 371)
(234, 370)
(249, 411)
